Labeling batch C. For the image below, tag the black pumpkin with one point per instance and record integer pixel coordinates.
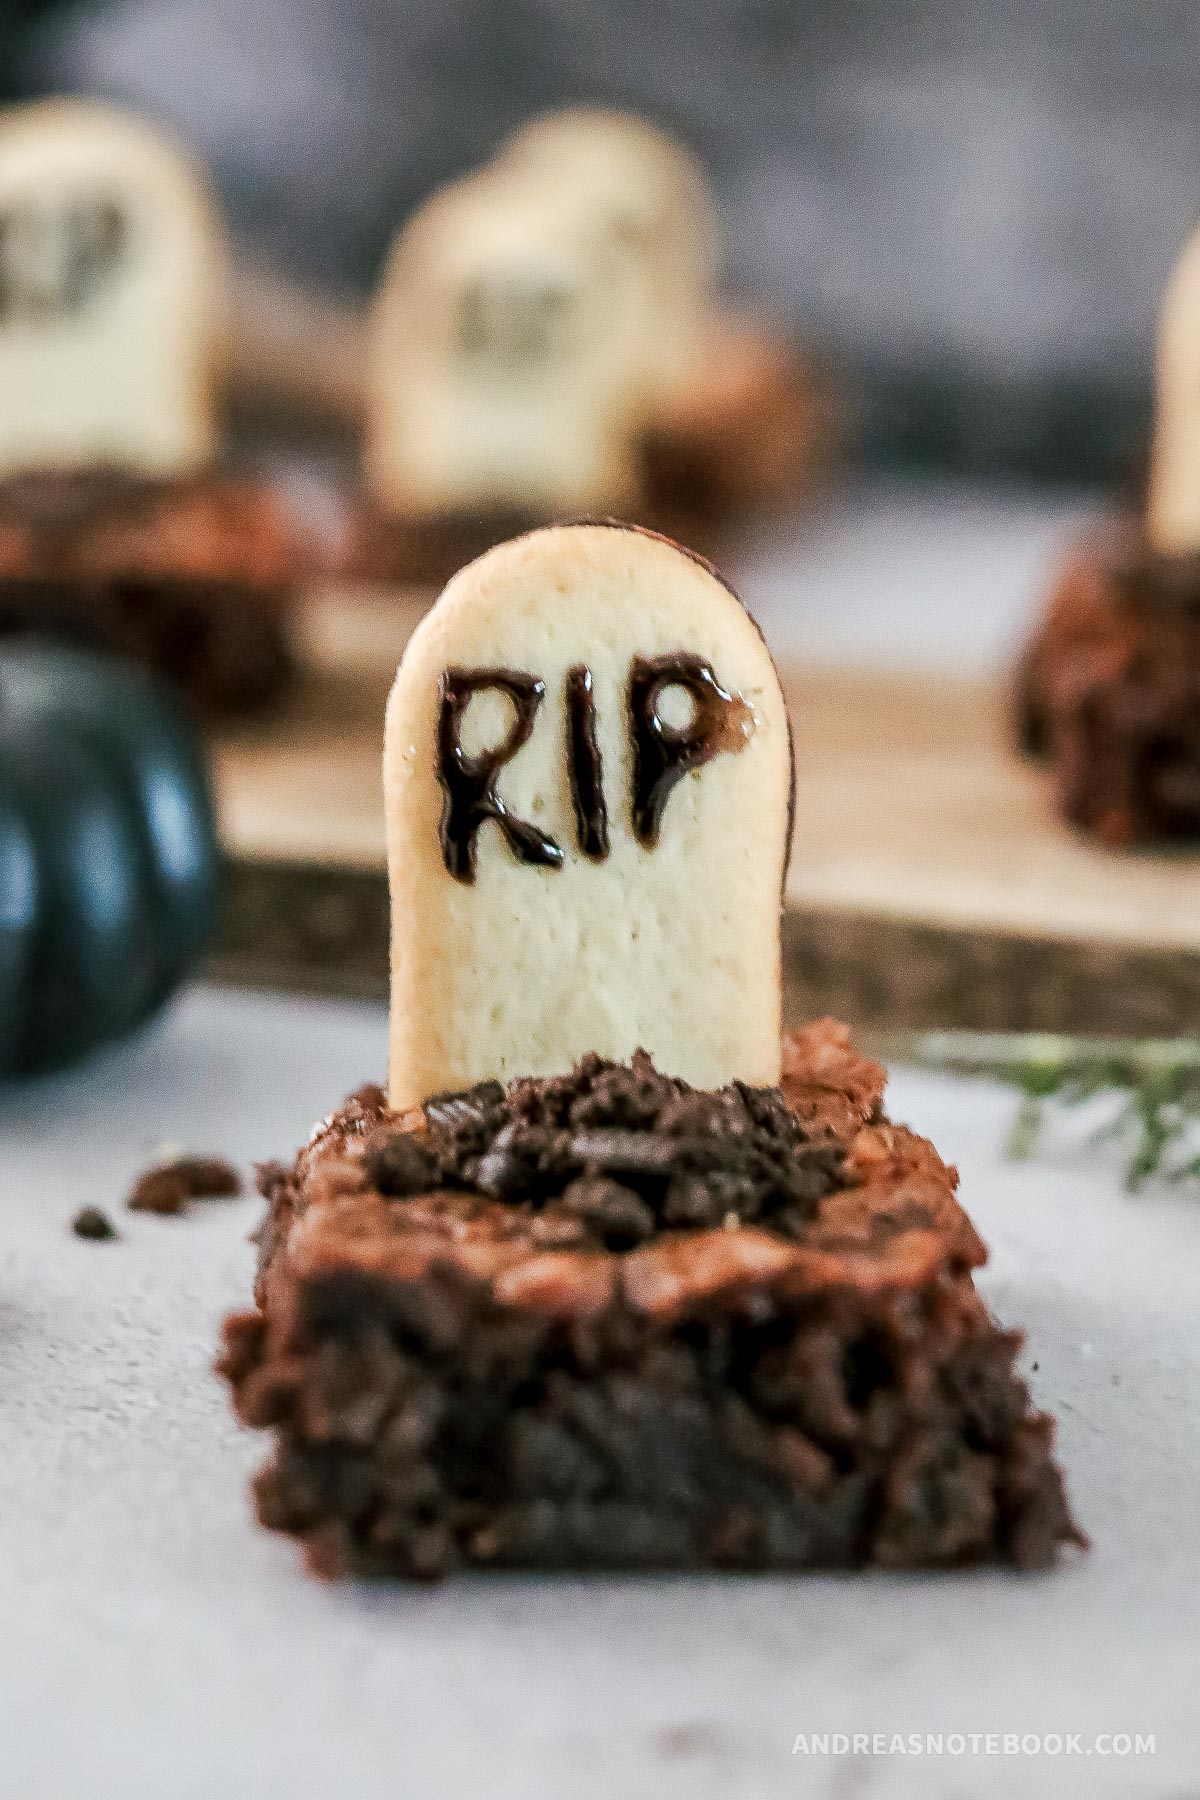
(108, 851)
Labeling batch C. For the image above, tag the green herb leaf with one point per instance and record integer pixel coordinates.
(1159, 1077)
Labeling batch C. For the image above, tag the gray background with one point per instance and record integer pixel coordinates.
(971, 205)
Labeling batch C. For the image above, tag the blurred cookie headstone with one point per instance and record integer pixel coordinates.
(111, 294)
(644, 190)
(547, 344)
(505, 370)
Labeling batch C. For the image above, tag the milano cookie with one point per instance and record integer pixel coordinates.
(649, 195)
(505, 361)
(1173, 508)
(111, 295)
(588, 784)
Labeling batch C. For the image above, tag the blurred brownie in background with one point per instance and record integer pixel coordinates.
(1109, 690)
(191, 576)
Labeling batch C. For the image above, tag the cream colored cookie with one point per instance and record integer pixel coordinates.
(650, 194)
(504, 369)
(112, 273)
(533, 921)
(1173, 512)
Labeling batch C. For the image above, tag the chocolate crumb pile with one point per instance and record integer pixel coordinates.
(168, 1186)
(614, 1152)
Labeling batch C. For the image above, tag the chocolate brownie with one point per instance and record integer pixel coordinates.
(192, 577)
(1109, 691)
(607, 1320)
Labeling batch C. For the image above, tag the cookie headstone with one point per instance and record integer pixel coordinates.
(647, 191)
(1173, 511)
(505, 371)
(111, 294)
(588, 786)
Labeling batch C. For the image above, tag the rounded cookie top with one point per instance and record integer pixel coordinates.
(506, 356)
(112, 294)
(588, 787)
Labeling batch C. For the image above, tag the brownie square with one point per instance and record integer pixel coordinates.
(606, 1321)
(194, 578)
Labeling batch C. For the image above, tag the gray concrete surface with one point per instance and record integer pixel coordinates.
(155, 1645)
(921, 576)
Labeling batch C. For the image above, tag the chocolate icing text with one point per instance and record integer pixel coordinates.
(55, 259)
(661, 754)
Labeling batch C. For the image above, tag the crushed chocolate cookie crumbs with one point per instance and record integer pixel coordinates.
(167, 1187)
(614, 1151)
(92, 1223)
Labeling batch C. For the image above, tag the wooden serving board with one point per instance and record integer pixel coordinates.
(931, 884)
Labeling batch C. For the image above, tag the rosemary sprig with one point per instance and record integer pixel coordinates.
(1159, 1079)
